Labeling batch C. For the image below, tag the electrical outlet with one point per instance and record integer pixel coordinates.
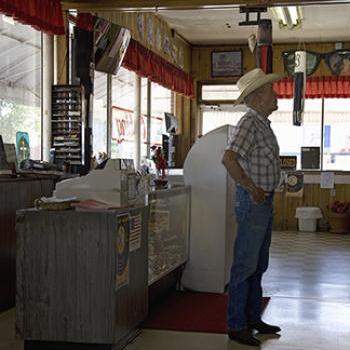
(338, 46)
(333, 193)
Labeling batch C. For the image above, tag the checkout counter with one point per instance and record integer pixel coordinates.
(83, 277)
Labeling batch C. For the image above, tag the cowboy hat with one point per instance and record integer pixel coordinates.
(252, 80)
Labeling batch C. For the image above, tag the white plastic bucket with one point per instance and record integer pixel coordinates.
(308, 225)
(307, 218)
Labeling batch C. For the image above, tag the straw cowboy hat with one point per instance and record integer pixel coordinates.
(252, 80)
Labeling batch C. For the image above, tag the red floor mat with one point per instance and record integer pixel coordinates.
(192, 312)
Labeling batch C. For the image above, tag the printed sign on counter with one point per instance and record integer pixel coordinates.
(135, 232)
(122, 247)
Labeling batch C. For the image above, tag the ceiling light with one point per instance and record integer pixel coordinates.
(288, 17)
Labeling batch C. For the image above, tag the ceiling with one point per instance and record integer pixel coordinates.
(204, 22)
(209, 27)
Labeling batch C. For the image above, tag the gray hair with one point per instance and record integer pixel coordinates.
(250, 98)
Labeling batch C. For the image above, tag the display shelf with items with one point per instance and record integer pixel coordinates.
(67, 124)
(168, 231)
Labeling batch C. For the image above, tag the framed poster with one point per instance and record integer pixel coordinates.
(226, 63)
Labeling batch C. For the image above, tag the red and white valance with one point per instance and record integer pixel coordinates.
(316, 87)
(43, 15)
(152, 66)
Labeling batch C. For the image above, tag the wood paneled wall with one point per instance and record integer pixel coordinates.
(183, 114)
(284, 207)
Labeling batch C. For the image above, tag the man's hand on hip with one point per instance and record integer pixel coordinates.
(258, 195)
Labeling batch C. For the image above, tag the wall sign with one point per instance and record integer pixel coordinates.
(226, 63)
(295, 184)
(288, 162)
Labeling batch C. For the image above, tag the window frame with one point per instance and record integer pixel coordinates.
(202, 101)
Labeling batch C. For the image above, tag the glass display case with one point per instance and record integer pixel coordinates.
(168, 231)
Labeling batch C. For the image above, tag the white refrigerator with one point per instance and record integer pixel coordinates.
(212, 227)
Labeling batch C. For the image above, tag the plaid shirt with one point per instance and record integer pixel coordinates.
(256, 144)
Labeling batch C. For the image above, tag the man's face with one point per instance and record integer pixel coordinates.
(268, 98)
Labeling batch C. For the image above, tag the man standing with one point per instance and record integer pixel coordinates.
(252, 160)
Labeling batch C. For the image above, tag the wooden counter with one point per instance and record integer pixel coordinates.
(66, 279)
(15, 193)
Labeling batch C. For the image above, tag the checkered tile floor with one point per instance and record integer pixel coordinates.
(310, 265)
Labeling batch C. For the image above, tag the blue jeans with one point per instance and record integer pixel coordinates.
(251, 258)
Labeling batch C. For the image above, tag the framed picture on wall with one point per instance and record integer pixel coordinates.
(226, 63)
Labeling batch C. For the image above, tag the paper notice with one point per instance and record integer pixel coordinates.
(327, 179)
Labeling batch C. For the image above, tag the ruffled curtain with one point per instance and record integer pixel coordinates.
(150, 65)
(316, 87)
(43, 15)
(84, 21)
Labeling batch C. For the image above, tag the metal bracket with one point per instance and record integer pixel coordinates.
(248, 10)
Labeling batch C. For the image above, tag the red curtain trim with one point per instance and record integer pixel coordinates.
(150, 65)
(85, 21)
(316, 87)
(44, 15)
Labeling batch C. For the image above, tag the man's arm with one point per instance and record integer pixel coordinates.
(230, 161)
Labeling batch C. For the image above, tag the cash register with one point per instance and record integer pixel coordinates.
(114, 184)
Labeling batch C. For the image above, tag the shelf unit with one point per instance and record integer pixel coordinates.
(67, 124)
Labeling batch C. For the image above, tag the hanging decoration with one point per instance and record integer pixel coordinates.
(181, 59)
(299, 87)
(174, 53)
(264, 46)
(140, 22)
(159, 39)
(166, 45)
(252, 41)
(150, 32)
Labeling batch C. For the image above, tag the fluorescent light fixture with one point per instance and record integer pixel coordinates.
(294, 15)
(288, 17)
(280, 15)
(8, 19)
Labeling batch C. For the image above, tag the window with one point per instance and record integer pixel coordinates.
(99, 125)
(336, 134)
(291, 138)
(123, 99)
(213, 118)
(20, 84)
(161, 102)
(144, 103)
(219, 92)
